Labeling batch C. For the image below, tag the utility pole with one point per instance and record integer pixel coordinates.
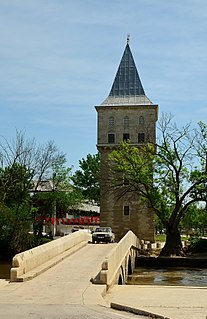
(54, 226)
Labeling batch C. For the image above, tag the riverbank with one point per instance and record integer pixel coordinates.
(197, 261)
(5, 267)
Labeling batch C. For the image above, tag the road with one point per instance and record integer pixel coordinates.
(35, 311)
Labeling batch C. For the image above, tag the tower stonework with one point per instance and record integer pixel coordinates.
(126, 114)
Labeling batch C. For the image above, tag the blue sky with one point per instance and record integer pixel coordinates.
(58, 59)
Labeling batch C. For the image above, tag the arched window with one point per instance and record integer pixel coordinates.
(141, 120)
(111, 138)
(126, 210)
(111, 122)
(126, 122)
(141, 137)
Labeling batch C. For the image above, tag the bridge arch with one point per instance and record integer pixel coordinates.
(121, 276)
(129, 272)
(127, 267)
(120, 262)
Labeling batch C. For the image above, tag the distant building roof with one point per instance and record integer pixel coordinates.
(89, 207)
(127, 87)
(43, 186)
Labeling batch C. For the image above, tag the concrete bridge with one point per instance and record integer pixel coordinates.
(117, 262)
(55, 280)
(65, 289)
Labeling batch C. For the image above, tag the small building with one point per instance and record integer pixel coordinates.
(126, 114)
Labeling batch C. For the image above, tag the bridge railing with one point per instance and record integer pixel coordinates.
(30, 263)
(113, 262)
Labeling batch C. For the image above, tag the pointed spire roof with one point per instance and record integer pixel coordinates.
(127, 87)
(127, 81)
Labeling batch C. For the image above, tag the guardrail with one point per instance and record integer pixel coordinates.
(116, 259)
(31, 263)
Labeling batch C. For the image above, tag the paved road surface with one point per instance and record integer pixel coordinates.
(30, 311)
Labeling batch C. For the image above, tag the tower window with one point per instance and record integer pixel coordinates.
(126, 137)
(111, 138)
(126, 122)
(141, 137)
(111, 122)
(126, 210)
(141, 120)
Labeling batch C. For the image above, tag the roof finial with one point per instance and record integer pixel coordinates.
(128, 38)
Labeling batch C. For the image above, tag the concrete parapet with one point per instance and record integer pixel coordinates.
(30, 263)
(137, 311)
(116, 261)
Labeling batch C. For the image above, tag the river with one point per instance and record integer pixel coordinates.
(169, 277)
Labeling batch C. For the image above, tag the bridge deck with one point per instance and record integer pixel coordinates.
(65, 283)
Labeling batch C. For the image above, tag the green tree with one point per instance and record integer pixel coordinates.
(201, 147)
(14, 184)
(60, 195)
(195, 220)
(23, 165)
(169, 175)
(87, 178)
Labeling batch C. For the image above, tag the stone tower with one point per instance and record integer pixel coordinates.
(126, 114)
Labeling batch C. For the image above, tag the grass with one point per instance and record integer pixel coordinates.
(162, 237)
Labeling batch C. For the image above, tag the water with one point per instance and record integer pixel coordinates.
(5, 270)
(169, 277)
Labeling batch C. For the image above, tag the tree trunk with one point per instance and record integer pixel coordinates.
(173, 245)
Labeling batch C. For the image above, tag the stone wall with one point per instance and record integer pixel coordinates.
(148, 112)
(140, 218)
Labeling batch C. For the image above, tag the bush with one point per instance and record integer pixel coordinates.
(28, 241)
(198, 244)
(37, 241)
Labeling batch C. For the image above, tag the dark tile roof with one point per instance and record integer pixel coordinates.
(127, 82)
